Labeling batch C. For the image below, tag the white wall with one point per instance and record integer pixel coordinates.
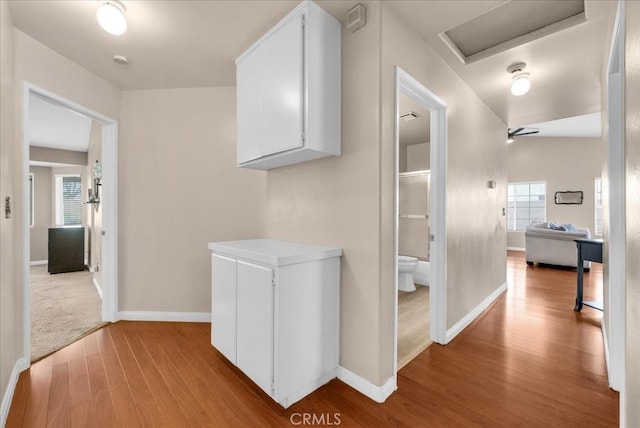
(179, 190)
(632, 153)
(565, 164)
(10, 290)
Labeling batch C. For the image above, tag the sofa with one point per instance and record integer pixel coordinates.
(553, 244)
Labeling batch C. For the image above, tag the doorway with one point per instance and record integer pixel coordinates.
(408, 88)
(108, 200)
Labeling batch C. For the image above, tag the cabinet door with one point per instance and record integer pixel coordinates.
(270, 94)
(281, 88)
(223, 306)
(255, 324)
(248, 76)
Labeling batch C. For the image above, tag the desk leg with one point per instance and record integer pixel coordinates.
(578, 306)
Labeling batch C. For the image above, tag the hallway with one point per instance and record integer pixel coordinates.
(529, 360)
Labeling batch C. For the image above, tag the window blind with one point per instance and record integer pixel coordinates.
(598, 204)
(69, 200)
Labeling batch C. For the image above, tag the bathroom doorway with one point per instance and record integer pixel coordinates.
(413, 228)
(419, 220)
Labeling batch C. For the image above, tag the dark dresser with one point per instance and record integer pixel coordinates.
(66, 249)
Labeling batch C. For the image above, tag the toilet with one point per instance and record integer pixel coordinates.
(406, 267)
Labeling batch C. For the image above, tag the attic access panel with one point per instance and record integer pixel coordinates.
(511, 24)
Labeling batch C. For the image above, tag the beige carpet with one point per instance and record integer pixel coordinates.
(413, 324)
(64, 308)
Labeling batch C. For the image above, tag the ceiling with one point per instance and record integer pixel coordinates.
(169, 44)
(194, 44)
(565, 66)
(56, 127)
(584, 126)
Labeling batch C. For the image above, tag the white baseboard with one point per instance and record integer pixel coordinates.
(38, 262)
(377, 393)
(605, 342)
(21, 365)
(165, 316)
(475, 312)
(308, 389)
(98, 288)
(517, 249)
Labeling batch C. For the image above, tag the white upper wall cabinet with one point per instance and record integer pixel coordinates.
(288, 92)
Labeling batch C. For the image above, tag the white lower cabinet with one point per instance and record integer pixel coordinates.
(275, 313)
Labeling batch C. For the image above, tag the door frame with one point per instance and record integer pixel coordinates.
(407, 85)
(616, 309)
(109, 201)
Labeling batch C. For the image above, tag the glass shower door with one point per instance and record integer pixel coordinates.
(413, 233)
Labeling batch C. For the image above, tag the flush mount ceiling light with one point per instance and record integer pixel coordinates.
(520, 84)
(111, 17)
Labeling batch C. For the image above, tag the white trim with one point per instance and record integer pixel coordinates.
(516, 248)
(615, 311)
(110, 207)
(165, 316)
(471, 316)
(407, 85)
(21, 365)
(98, 288)
(607, 358)
(377, 393)
(38, 262)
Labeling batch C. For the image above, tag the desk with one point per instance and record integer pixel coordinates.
(588, 249)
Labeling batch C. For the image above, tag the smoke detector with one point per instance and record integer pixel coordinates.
(119, 59)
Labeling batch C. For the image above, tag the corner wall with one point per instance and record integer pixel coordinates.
(476, 153)
(336, 202)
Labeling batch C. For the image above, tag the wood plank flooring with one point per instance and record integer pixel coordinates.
(529, 360)
(413, 324)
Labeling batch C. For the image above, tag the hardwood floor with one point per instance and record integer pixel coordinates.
(529, 360)
(413, 324)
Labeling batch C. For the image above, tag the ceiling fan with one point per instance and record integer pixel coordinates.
(516, 132)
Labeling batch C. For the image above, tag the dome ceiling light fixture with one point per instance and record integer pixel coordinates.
(111, 17)
(520, 84)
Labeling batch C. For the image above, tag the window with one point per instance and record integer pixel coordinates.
(68, 200)
(526, 203)
(32, 216)
(598, 199)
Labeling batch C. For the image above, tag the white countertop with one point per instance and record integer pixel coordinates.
(274, 252)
